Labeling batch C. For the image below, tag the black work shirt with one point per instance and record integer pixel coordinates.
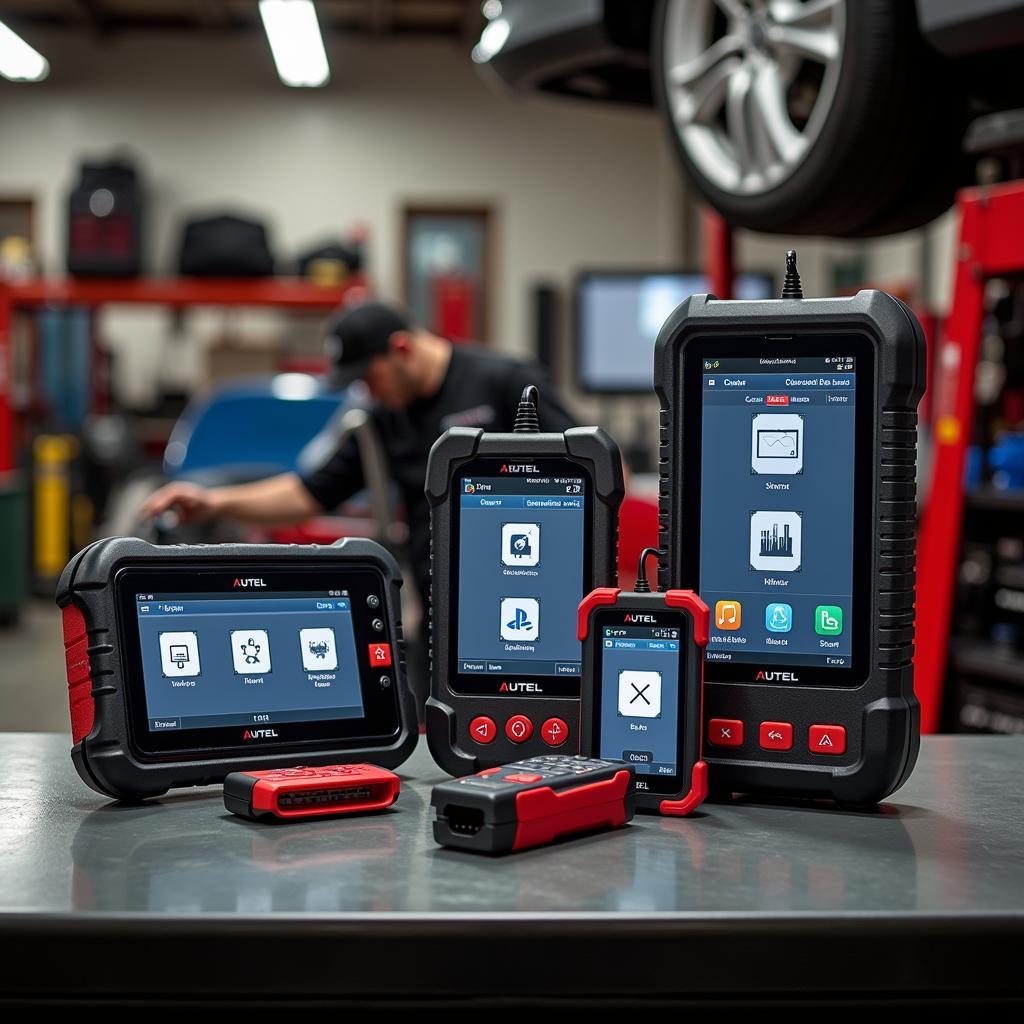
(480, 389)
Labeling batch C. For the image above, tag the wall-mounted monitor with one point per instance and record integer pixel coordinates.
(619, 314)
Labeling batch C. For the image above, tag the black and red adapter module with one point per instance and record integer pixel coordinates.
(296, 794)
(532, 802)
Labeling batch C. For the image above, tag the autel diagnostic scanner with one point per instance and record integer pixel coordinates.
(643, 662)
(522, 526)
(787, 500)
(186, 663)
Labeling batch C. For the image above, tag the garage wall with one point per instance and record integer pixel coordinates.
(573, 184)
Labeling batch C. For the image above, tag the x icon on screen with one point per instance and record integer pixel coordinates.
(639, 693)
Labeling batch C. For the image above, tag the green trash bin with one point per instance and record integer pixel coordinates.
(14, 546)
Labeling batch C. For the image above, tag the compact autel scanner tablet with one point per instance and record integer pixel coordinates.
(788, 456)
(643, 662)
(186, 663)
(523, 524)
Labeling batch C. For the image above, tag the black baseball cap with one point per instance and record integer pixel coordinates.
(358, 333)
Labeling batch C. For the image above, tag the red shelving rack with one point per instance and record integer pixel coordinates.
(176, 293)
(991, 244)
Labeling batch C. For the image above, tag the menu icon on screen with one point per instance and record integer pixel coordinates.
(319, 652)
(179, 654)
(775, 541)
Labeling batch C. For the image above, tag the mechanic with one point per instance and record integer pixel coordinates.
(421, 385)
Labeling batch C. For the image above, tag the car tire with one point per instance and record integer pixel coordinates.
(885, 154)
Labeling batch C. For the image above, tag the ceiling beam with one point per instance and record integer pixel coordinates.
(210, 13)
(95, 16)
(382, 17)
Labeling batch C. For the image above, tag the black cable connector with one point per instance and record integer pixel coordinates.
(527, 421)
(791, 287)
(642, 586)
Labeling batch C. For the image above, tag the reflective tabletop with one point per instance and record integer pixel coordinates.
(752, 896)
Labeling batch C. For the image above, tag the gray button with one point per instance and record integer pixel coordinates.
(378, 624)
(373, 601)
(638, 756)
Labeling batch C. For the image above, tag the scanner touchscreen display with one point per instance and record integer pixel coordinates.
(521, 547)
(213, 660)
(640, 697)
(777, 508)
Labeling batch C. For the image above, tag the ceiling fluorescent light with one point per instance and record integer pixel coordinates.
(18, 61)
(295, 41)
(492, 39)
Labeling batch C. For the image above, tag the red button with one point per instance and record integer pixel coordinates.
(776, 736)
(488, 771)
(380, 654)
(554, 732)
(827, 739)
(523, 777)
(482, 729)
(519, 728)
(725, 732)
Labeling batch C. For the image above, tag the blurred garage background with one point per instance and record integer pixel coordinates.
(188, 190)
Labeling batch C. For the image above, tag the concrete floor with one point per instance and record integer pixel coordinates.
(33, 685)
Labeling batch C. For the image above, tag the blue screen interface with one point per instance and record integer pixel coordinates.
(777, 508)
(640, 697)
(210, 661)
(521, 544)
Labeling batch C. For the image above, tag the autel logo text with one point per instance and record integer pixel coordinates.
(518, 467)
(520, 688)
(777, 677)
(637, 617)
(251, 582)
(260, 734)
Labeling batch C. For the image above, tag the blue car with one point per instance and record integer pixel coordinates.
(250, 428)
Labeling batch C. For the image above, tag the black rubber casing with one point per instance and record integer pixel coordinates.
(448, 714)
(881, 716)
(106, 759)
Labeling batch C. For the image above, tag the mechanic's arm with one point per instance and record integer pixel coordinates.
(277, 500)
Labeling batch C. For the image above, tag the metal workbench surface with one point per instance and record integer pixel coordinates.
(180, 899)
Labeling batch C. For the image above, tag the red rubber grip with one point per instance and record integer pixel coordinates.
(596, 598)
(76, 657)
(689, 803)
(545, 815)
(698, 611)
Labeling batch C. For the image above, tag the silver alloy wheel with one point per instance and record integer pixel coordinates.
(729, 94)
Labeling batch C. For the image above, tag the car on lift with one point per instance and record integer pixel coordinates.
(838, 117)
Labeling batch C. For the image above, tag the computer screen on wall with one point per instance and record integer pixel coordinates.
(619, 314)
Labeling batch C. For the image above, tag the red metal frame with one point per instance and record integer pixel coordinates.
(180, 292)
(718, 254)
(991, 244)
(6, 384)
